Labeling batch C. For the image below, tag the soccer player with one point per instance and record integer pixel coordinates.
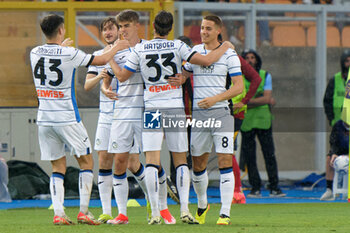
(159, 59)
(210, 102)
(125, 135)
(95, 76)
(58, 117)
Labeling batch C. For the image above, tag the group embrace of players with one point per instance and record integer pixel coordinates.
(129, 71)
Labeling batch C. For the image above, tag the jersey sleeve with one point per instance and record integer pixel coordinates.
(80, 58)
(268, 82)
(132, 64)
(92, 70)
(233, 63)
(185, 51)
(110, 71)
(188, 67)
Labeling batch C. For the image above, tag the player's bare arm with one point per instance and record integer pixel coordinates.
(121, 74)
(178, 80)
(235, 89)
(213, 56)
(266, 98)
(109, 54)
(92, 80)
(107, 89)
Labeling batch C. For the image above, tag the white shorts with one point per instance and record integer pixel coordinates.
(176, 137)
(52, 140)
(102, 136)
(202, 139)
(125, 136)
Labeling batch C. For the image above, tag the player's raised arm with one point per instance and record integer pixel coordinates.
(121, 74)
(109, 54)
(92, 79)
(213, 56)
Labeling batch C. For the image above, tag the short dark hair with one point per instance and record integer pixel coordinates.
(163, 23)
(50, 25)
(106, 21)
(216, 19)
(128, 16)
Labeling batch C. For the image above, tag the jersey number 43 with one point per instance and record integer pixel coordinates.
(39, 71)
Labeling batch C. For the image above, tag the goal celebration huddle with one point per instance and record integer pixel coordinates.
(141, 105)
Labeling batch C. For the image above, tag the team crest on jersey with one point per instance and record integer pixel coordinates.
(207, 69)
(151, 120)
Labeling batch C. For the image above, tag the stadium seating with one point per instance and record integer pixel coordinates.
(333, 36)
(289, 36)
(345, 37)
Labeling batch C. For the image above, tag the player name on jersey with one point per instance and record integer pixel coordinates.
(49, 51)
(158, 45)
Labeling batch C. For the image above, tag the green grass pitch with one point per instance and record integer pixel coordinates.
(271, 218)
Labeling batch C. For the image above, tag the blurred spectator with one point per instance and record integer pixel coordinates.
(258, 122)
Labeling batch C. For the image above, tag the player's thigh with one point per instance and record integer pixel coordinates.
(137, 140)
(121, 137)
(102, 136)
(152, 140)
(51, 145)
(176, 135)
(201, 142)
(76, 137)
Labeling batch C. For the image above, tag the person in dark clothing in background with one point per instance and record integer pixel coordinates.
(339, 140)
(333, 103)
(239, 106)
(258, 122)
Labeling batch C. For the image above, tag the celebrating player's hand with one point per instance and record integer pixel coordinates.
(121, 44)
(103, 74)
(108, 47)
(229, 44)
(207, 102)
(178, 80)
(110, 93)
(67, 42)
